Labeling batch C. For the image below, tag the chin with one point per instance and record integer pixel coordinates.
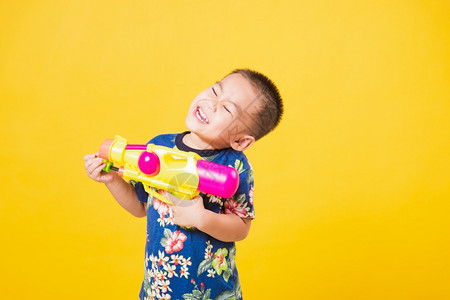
(194, 125)
(191, 126)
(190, 122)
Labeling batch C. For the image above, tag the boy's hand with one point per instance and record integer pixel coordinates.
(186, 213)
(94, 165)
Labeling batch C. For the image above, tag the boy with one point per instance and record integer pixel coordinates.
(190, 247)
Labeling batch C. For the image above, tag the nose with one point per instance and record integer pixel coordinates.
(212, 104)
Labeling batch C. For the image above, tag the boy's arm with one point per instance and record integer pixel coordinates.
(192, 213)
(126, 196)
(224, 227)
(122, 191)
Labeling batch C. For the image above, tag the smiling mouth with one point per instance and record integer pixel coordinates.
(201, 116)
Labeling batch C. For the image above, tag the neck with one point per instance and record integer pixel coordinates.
(194, 141)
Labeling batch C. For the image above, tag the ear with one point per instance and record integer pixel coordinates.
(242, 143)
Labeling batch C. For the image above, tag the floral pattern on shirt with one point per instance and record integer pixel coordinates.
(158, 272)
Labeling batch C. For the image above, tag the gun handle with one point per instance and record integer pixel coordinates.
(157, 195)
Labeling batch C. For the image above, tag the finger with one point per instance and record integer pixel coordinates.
(88, 157)
(174, 200)
(92, 165)
(89, 165)
(94, 162)
(197, 201)
(90, 168)
(99, 168)
(197, 198)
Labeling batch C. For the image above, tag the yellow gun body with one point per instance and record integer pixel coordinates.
(177, 169)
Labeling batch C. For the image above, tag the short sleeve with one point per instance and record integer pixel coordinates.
(241, 204)
(140, 191)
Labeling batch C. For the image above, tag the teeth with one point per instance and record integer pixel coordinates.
(202, 116)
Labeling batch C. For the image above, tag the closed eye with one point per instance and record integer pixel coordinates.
(227, 110)
(214, 91)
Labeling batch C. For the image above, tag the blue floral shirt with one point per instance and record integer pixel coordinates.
(185, 263)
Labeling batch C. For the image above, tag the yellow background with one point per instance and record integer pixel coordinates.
(352, 190)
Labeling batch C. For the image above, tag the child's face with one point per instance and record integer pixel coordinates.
(221, 116)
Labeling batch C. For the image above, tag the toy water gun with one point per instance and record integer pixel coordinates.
(184, 174)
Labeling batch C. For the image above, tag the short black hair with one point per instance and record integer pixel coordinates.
(271, 111)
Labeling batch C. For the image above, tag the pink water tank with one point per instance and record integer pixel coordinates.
(217, 179)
